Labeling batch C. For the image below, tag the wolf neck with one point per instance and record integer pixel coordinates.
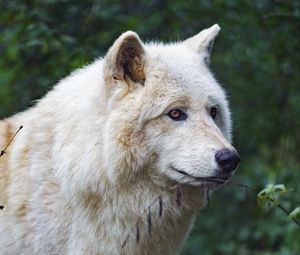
(171, 215)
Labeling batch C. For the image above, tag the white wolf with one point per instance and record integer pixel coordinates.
(114, 158)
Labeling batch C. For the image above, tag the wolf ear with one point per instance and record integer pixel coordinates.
(125, 59)
(203, 42)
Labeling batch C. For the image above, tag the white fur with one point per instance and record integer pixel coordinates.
(95, 152)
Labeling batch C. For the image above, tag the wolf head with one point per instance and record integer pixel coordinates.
(167, 115)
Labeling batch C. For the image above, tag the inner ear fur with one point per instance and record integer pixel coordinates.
(125, 59)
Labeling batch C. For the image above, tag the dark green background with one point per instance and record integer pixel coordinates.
(256, 58)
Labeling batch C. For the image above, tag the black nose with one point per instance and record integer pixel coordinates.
(227, 160)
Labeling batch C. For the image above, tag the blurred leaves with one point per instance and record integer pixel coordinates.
(271, 191)
(295, 214)
(256, 57)
(270, 196)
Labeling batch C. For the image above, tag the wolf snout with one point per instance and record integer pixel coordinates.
(228, 160)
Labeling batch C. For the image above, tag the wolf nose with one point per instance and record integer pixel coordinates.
(227, 159)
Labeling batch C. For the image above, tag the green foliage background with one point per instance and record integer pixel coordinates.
(256, 57)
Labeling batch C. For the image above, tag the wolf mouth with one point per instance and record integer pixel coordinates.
(210, 179)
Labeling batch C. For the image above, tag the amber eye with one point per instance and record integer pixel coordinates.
(177, 115)
(213, 112)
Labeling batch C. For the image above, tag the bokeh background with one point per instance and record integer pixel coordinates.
(256, 58)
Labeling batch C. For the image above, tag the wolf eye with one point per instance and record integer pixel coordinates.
(177, 115)
(213, 112)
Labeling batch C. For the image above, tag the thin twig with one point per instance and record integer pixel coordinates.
(178, 196)
(125, 241)
(4, 150)
(137, 232)
(160, 212)
(276, 203)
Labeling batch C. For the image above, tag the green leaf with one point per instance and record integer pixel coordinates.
(295, 213)
(273, 191)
